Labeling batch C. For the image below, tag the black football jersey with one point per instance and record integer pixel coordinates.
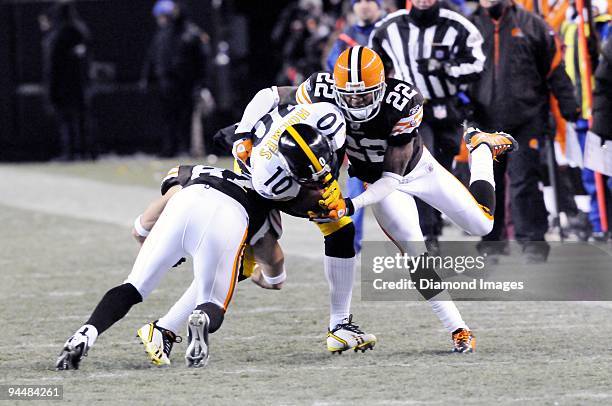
(396, 123)
(236, 186)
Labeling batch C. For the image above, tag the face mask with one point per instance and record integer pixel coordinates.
(426, 17)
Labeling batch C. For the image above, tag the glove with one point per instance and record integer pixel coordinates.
(337, 209)
(341, 208)
(242, 148)
(331, 193)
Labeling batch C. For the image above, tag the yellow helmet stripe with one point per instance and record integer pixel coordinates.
(311, 156)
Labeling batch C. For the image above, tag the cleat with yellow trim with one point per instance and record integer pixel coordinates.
(158, 342)
(498, 142)
(463, 341)
(347, 336)
(196, 355)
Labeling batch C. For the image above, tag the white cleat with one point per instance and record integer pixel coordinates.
(158, 342)
(73, 352)
(348, 336)
(196, 355)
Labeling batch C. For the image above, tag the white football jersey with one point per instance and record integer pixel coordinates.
(269, 177)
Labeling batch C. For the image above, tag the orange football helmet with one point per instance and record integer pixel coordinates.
(359, 83)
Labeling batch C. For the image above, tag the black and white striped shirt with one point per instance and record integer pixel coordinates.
(400, 42)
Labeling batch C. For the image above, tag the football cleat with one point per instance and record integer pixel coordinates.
(158, 342)
(196, 355)
(74, 350)
(463, 341)
(348, 336)
(498, 142)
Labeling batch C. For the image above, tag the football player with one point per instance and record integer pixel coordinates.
(297, 151)
(280, 177)
(262, 261)
(385, 151)
(210, 220)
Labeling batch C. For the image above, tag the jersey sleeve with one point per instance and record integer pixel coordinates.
(406, 128)
(179, 175)
(317, 88)
(406, 119)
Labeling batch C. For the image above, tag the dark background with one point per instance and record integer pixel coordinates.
(125, 119)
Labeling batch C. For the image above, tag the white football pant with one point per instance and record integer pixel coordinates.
(205, 224)
(397, 214)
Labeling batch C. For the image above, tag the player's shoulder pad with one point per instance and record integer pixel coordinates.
(402, 96)
(318, 87)
(403, 106)
(326, 107)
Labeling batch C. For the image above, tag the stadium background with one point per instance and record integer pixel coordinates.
(124, 117)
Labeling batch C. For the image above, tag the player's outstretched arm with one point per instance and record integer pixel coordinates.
(269, 273)
(145, 222)
(394, 165)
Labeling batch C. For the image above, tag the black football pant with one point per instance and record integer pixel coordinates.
(529, 215)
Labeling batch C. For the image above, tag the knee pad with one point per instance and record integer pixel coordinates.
(215, 314)
(340, 244)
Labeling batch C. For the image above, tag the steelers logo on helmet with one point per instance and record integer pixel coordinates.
(307, 155)
(359, 83)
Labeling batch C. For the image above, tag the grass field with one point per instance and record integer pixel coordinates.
(65, 240)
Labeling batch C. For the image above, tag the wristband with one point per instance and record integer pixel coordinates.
(276, 279)
(140, 230)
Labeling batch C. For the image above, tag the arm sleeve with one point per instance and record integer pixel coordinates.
(264, 101)
(406, 128)
(378, 190)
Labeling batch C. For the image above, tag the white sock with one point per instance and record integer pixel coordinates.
(447, 312)
(176, 318)
(481, 165)
(90, 331)
(340, 273)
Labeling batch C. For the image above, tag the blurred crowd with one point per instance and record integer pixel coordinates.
(517, 66)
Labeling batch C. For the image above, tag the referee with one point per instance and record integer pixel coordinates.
(439, 51)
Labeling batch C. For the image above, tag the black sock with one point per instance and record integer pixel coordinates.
(215, 314)
(427, 272)
(114, 306)
(484, 193)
